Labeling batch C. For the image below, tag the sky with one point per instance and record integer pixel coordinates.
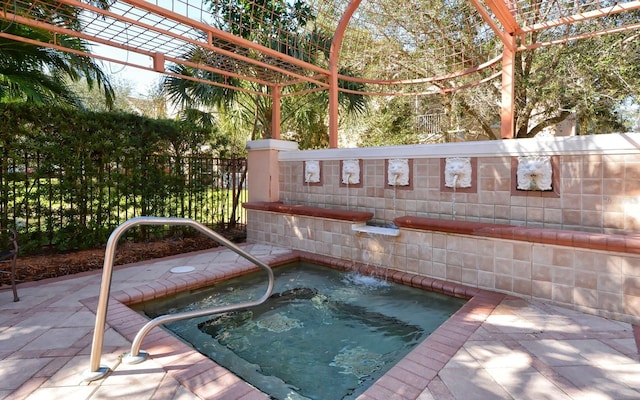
(140, 80)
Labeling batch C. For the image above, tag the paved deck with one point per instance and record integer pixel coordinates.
(496, 347)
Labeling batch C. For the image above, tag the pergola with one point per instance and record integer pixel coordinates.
(420, 52)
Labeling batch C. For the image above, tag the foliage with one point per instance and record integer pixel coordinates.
(262, 21)
(590, 77)
(276, 24)
(587, 78)
(390, 123)
(92, 98)
(98, 169)
(39, 74)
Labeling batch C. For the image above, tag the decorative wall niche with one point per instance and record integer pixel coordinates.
(535, 176)
(457, 172)
(467, 166)
(399, 173)
(312, 172)
(351, 173)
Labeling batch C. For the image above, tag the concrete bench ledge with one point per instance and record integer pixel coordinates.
(594, 241)
(310, 211)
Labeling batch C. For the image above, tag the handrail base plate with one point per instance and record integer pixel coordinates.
(90, 376)
(131, 359)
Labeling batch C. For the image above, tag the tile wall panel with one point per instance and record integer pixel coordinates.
(598, 193)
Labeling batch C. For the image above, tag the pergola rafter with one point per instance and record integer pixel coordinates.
(359, 34)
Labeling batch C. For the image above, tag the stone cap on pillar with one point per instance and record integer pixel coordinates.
(272, 144)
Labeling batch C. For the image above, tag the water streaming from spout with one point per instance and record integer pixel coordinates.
(453, 202)
(369, 282)
(308, 191)
(376, 246)
(348, 180)
(395, 196)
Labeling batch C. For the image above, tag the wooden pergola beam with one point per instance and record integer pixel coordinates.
(504, 15)
(487, 18)
(602, 12)
(334, 56)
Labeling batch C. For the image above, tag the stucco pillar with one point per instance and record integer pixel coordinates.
(275, 112)
(507, 123)
(263, 169)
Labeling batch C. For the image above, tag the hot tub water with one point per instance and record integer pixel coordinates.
(323, 334)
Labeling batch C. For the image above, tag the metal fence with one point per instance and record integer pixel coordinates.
(431, 127)
(68, 207)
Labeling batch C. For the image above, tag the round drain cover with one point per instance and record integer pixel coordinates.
(182, 270)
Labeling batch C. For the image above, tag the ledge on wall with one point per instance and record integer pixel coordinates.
(376, 230)
(611, 143)
(559, 237)
(310, 211)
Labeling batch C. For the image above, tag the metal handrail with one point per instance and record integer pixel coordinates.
(96, 371)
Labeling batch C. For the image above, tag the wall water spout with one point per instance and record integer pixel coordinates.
(350, 174)
(457, 172)
(390, 230)
(398, 172)
(534, 173)
(312, 171)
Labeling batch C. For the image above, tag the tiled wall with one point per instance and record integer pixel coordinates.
(597, 282)
(596, 189)
(596, 193)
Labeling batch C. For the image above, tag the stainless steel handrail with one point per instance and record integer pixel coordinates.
(96, 370)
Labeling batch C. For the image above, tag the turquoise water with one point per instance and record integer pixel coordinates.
(323, 334)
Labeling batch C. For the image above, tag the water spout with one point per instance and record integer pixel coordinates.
(375, 245)
(457, 172)
(534, 173)
(398, 172)
(350, 172)
(395, 193)
(312, 171)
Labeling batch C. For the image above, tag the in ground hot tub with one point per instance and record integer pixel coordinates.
(323, 334)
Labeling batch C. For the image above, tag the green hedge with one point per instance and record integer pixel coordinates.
(68, 177)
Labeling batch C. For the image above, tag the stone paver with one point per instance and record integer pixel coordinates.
(515, 349)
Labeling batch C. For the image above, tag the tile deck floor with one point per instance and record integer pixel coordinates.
(495, 347)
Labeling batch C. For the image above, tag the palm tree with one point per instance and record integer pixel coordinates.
(37, 74)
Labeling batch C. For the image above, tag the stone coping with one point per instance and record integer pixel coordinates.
(612, 143)
(587, 240)
(199, 279)
(310, 211)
